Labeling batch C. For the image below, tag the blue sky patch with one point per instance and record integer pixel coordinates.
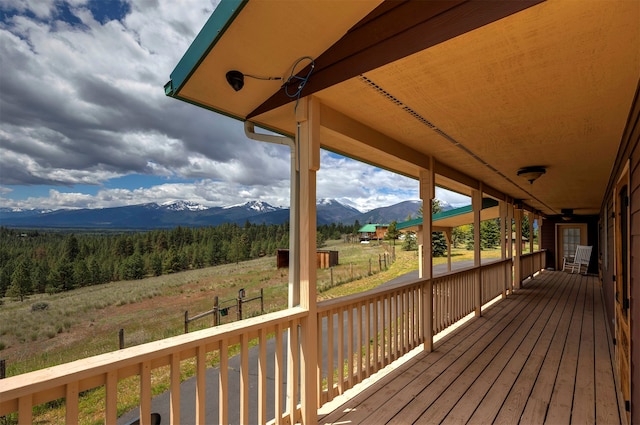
(109, 10)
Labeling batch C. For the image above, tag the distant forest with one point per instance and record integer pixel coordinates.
(37, 261)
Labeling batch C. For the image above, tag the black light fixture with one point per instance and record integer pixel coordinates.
(567, 214)
(532, 173)
(235, 79)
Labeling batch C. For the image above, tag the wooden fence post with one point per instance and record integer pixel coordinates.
(262, 300)
(121, 338)
(216, 312)
(186, 321)
(3, 368)
(239, 308)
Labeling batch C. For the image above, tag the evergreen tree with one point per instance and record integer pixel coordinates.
(71, 248)
(155, 266)
(392, 232)
(490, 232)
(410, 243)
(20, 281)
(81, 274)
(438, 244)
(40, 277)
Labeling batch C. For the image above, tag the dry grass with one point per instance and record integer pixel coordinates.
(85, 322)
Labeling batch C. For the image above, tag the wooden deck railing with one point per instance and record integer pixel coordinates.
(532, 263)
(362, 333)
(21, 393)
(357, 336)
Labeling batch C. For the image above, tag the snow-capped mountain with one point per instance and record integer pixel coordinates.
(258, 206)
(186, 213)
(183, 206)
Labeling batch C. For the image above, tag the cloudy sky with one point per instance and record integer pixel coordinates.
(84, 122)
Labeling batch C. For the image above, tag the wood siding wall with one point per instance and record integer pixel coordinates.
(634, 266)
(629, 153)
(549, 239)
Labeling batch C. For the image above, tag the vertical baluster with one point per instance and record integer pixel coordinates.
(262, 377)
(330, 348)
(223, 383)
(320, 391)
(71, 402)
(174, 402)
(294, 361)
(145, 393)
(201, 384)
(367, 337)
(278, 369)
(111, 397)
(340, 341)
(359, 345)
(376, 333)
(25, 409)
(244, 378)
(350, 346)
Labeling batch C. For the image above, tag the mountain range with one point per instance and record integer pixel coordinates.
(185, 213)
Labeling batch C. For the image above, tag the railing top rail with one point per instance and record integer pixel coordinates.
(533, 253)
(347, 300)
(363, 296)
(43, 379)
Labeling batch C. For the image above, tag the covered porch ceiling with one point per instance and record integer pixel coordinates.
(485, 88)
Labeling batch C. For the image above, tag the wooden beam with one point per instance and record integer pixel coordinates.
(345, 127)
(393, 31)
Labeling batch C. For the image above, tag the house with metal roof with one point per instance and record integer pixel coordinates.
(372, 231)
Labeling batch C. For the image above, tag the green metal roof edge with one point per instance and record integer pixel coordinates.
(216, 25)
(409, 223)
(486, 203)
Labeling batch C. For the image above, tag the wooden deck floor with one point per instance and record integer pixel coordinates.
(540, 356)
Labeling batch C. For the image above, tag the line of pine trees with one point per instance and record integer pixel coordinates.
(38, 261)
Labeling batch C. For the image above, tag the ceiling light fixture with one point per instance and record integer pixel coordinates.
(532, 173)
(236, 79)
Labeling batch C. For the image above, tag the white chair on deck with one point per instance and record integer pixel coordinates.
(579, 260)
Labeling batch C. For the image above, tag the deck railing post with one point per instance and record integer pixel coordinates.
(518, 259)
(476, 201)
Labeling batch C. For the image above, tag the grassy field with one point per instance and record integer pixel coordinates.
(46, 330)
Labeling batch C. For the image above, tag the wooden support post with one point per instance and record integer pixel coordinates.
(308, 141)
(427, 194)
(448, 234)
(504, 234)
(516, 264)
(186, 321)
(510, 213)
(476, 201)
(531, 218)
(121, 339)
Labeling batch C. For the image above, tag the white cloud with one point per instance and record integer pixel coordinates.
(83, 103)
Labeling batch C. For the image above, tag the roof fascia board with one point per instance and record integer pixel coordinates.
(221, 18)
